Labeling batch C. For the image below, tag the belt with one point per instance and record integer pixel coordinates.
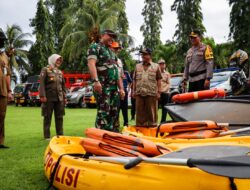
(194, 74)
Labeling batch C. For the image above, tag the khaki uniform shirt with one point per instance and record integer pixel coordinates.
(4, 71)
(52, 84)
(199, 60)
(146, 79)
(165, 81)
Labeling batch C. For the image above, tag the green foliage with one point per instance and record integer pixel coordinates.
(17, 41)
(58, 19)
(152, 13)
(239, 24)
(44, 33)
(84, 21)
(189, 17)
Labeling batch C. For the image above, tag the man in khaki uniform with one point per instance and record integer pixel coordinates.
(199, 64)
(165, 86)
(5, 90)
(52, 95)
(146, 90)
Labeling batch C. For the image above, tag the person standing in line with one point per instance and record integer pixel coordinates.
(106, 79)
(133, 103)
(199, 64)
(52, 95)
(165, 86)
(146, 90)
(5, 90)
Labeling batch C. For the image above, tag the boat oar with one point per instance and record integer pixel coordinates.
(230, 132)
(234, 167)
(234, 124)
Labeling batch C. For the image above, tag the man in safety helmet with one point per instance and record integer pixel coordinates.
(198, 64)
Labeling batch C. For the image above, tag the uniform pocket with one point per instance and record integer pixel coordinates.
(152, 76)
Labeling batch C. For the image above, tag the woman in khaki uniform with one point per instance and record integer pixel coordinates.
(52, 95)
(5, 90)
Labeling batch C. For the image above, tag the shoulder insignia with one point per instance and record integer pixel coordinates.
(209, 53)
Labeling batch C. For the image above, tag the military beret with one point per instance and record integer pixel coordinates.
(110, 33)
(195, 33)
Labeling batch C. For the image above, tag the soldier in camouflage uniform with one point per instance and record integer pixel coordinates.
(199, 64)
(52, 95)
(106, 81)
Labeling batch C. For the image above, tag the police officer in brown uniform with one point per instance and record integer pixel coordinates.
(52, 95)
(146, 90)
(165, 86)
(199, 64)
(5, 90)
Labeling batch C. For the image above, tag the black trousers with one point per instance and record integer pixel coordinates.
(196, 86)
(133, 105)
(124, 109)
(164, 99)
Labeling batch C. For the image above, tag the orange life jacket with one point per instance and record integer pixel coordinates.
(143, 146)
(202, 134)
(100, 148)
(191, 96)
(188, 126)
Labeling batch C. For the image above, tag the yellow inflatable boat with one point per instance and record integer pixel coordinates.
(67, 166)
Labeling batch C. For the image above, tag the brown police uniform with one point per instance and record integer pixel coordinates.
(198, 66)
(52, 86)
(146, 89)
(4, 72)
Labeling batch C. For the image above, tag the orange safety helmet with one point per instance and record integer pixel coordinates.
(115, 45)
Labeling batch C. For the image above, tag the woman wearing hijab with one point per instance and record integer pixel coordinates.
(52, 95)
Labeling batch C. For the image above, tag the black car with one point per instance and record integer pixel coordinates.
(21, 94)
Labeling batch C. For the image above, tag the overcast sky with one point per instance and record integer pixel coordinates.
(215, 14)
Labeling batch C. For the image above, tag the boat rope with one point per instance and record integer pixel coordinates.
(52, 176)
(232, 183)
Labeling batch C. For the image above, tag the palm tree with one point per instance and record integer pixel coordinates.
(17, 40)
(85, 19)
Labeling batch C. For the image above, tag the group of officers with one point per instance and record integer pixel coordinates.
(151, 83)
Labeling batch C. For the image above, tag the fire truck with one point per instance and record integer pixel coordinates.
(72, 80)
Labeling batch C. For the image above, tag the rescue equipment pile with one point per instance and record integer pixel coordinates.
(106, 143)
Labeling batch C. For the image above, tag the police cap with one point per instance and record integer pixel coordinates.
(146, 51)
(195, 33)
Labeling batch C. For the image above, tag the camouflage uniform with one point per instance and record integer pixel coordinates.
(108, 100)
(198, 66)
(52, 86)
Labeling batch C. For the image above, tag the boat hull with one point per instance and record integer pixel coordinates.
(74, 172)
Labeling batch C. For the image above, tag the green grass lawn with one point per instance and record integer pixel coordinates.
(21, 166)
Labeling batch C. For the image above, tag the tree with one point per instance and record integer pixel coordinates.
(239, 24)
(189, 17)
(43, 30)
(152, 13)
(58, 19)
(17, 41)
(84, 21)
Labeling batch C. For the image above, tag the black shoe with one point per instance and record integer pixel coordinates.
(3, 146)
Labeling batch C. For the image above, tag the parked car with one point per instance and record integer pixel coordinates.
(89, 98)
(221, 79)
(76, 97)
(175, 85)
(21, 94)
(34, 94)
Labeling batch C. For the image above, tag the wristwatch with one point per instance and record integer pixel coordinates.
(95, 80)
